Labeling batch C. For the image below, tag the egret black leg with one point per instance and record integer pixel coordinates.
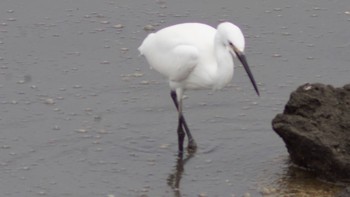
(181, 137)
(183, 125)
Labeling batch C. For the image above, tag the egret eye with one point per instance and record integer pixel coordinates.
(233, 47)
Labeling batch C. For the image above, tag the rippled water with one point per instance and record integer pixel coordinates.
(82, 115)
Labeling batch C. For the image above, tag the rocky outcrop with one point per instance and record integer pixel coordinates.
(315, 127)
(344, 193)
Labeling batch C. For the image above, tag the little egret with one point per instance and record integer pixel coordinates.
(195, 56)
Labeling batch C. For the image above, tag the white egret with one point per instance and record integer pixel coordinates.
(195, 56)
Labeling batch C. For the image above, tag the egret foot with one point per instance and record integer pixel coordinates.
(192, 146)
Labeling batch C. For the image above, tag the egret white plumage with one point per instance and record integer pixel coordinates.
(195, 56)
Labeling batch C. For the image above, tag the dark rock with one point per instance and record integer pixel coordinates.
(315, 127)
(344, 193)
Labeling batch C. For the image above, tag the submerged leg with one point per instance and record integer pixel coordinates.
(181, 137)
(182, 123)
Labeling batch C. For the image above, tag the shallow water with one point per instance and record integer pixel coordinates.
(82, 115)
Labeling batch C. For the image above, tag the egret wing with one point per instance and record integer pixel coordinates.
(184, 60)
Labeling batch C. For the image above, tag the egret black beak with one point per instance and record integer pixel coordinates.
(244, 62)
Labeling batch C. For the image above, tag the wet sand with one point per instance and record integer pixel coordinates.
(82, 115)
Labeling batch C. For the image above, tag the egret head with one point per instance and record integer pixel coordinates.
(232, 35)
(233, 39)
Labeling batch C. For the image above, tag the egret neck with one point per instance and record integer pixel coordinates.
(225, 69)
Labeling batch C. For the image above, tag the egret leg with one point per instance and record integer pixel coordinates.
(183, 125)
(181, 137)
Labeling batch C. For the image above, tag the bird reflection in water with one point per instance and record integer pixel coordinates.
(175, 177)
